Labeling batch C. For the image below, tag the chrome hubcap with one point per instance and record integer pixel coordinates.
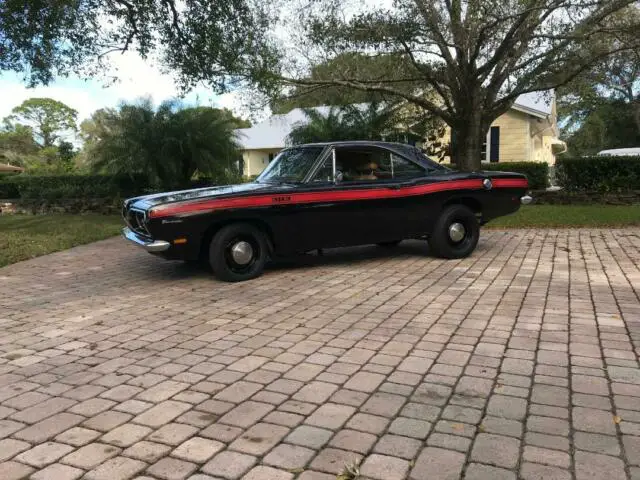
(456, 232)
(242, 252)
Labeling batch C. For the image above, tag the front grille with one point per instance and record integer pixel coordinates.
(136, 221)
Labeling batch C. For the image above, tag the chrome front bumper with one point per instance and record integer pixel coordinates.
(150, 246)
(526, 200)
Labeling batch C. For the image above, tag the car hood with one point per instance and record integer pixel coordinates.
(148, 201)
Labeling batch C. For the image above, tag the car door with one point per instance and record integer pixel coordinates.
(365, 204)
(407, 212)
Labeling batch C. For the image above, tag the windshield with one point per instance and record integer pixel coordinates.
(291, 165)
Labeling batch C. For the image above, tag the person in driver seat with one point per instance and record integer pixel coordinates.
(365, 169)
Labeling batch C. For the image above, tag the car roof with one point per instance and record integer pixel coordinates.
(377, 143)
(401, 148)
(632, 151)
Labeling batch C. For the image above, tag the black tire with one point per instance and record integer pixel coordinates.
(441, 242)
(393, 243)
(221, 257)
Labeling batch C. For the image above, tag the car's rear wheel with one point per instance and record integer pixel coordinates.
(238, 252)
(456, 233)
(390, 244)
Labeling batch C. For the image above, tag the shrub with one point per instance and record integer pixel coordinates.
(537, 172)
(54, 187)
(58, 187)
(8, 187)
(598, 173)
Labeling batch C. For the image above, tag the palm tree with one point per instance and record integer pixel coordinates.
(350, 122)
(169, 145)
(320, 127)
(370, 122)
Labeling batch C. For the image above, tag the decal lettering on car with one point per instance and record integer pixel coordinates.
(285, 198)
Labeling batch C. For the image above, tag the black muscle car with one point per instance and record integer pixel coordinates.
(320, 196)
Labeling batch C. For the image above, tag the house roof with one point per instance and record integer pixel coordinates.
(10, 168)
(538, 104)
(272, 132)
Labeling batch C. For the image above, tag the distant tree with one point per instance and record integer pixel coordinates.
(614, 81)
(66, 151)
(608, 124)
(238, 122)
(170, 144)
(619, 76)
(17, 139)
(48, 119)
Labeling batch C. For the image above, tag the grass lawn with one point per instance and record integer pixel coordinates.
(27, 236)
(570, 216)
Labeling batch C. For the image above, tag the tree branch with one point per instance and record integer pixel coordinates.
(427, 74)
(131, 15)
(432, 19)
(366, 86)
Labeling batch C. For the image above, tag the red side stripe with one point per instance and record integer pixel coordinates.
(325, 196)
(511, 183)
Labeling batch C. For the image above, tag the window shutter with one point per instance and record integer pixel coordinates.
(494, 151)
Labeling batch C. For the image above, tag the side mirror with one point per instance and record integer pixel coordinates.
(338, 177)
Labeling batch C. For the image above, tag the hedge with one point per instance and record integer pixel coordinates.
(53, 187)
(537, 172)
(598, 173)
(56, 187)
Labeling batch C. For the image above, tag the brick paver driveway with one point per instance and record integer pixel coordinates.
(518, 362)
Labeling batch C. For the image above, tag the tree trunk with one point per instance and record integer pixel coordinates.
(635, 108)
(469, 135)
(47, 138)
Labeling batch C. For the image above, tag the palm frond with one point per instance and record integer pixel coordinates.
(169, 144)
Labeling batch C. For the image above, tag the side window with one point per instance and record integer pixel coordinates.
(360, 164)
(403, 168)
(325, 172)
(368, 165)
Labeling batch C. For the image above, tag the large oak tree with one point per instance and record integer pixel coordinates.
(470, 59)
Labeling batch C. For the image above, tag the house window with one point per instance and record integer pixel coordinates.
(271, 157)
(483, 150)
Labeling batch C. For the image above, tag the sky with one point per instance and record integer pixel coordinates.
(136, 78)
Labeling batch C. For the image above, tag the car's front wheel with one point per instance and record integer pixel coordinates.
(238, 252)
(456, 233)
